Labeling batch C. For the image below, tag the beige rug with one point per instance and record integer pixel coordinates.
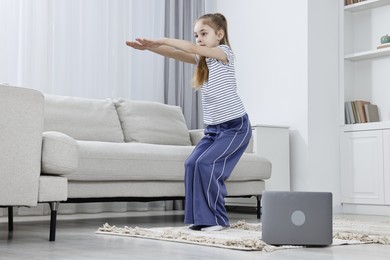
(247, 236)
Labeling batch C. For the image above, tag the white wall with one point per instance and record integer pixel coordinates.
(323, 73)
(286, 65)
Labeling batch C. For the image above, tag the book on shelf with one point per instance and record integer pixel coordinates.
(350, 2)
(371, 111)
(360, 111)
(346, 114)
(360, 108)
(355, 112)
(351, 117)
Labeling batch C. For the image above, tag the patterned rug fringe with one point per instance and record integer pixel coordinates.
(250, 239)
(177, 234)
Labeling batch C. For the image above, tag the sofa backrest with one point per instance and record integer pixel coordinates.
(83, 119)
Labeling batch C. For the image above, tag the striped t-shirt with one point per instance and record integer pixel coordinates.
(220, 100)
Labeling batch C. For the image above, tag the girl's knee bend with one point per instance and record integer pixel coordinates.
(203, 163)
(189, 163)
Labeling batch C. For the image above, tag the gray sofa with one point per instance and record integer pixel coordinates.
(125, 150)
(133, 150)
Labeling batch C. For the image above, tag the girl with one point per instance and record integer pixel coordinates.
(228, 129)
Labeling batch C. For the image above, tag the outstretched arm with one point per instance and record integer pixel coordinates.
(187, 47)
(164, 50)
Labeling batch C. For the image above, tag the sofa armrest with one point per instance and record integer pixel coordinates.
(250, 148)
(60, 154)
(21, 126)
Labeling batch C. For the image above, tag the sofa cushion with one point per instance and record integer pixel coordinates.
(152, 122)
(60, 155)
(104, 161)
(83, 119)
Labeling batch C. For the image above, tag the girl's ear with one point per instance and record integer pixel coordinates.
(220, 34)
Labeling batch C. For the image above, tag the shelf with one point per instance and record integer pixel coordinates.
(366, 126)
(365, 5)
(367, 54)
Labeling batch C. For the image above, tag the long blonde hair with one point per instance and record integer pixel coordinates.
(216, 21)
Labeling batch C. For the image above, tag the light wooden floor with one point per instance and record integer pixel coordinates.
(76, 240)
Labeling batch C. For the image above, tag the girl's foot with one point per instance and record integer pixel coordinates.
(196, 227)
(212, 228)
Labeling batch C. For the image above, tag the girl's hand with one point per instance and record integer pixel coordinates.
(136, 45)
(150, 43)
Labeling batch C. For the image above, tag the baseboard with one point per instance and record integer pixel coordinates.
(4, 219)
(363, 209)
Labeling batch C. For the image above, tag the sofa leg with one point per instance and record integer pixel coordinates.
(10, 218)
(53, 219)
(258, 206)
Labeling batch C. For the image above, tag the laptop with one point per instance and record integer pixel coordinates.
(297, 218)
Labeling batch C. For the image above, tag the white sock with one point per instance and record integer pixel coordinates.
(212, 228)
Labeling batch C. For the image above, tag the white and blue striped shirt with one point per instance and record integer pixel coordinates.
(220, 100)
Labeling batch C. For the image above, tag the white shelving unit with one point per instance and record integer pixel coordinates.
(364, 69)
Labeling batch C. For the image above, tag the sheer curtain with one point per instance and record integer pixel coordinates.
(179, 23)
(77, 48)
(73, 47)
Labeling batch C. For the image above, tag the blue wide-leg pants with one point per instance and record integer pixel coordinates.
(207, 168)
